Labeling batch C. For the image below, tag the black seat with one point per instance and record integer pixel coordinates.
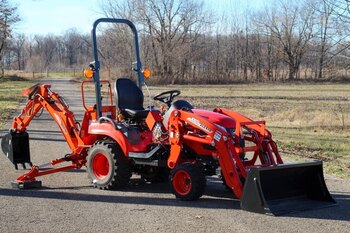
(177, 105)
(129, 99)
(182, 105)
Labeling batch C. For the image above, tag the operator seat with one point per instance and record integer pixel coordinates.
(129, 99)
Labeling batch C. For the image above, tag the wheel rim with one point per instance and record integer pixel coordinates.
(182, 182)
(100, 166)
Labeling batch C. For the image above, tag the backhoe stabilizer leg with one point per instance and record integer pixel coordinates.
(28, 181)
(26, 184)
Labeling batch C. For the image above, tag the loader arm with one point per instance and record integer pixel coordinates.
(264, 137)
(45, 98)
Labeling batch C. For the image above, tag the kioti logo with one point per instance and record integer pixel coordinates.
(199, 124)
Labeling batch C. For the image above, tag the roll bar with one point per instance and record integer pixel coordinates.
(96, 62)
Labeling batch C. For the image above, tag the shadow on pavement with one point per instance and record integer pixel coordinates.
(117, 197)
(215, 197)
(339, 212)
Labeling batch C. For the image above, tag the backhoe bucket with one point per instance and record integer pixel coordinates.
(15, 146)
(286, 188)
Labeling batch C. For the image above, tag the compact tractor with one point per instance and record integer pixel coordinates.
(179, 143)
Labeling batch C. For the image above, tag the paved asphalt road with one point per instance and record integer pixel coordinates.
(68, 202)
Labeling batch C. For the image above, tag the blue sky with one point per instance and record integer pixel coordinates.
(57, 16)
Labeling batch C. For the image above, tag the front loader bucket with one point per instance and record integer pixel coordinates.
(286, 188)
(15, 146)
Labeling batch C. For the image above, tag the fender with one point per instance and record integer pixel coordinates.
(107, 129)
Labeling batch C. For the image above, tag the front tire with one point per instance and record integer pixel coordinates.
(188, 181)
(107, 166)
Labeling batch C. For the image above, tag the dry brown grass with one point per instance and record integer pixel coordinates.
(10, 95)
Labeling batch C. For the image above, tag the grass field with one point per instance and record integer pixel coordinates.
(10, 95)
(308, 121)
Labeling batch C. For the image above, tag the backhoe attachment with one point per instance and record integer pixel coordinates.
(15, 144)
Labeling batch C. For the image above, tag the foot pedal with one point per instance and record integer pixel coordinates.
(26, 184)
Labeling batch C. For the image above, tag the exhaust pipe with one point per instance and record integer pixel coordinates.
(286, 188)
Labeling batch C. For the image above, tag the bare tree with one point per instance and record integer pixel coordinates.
(18, 48)
(72, 42)
(330, 32)
(8, 17)
(46, 48)
(171, 26)
(325, 12)
(292, 26)
(116, 50)
(289, 40)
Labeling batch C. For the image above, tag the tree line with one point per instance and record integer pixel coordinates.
(183, 41)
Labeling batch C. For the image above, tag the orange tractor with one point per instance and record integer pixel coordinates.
(182, 143)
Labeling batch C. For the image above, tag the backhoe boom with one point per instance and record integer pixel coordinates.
(44, 98)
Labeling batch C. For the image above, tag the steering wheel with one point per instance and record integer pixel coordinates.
(167, 96)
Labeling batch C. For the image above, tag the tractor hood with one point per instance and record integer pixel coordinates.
(216, 118)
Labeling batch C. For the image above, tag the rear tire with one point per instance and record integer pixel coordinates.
(188, 181)
(107, 166)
